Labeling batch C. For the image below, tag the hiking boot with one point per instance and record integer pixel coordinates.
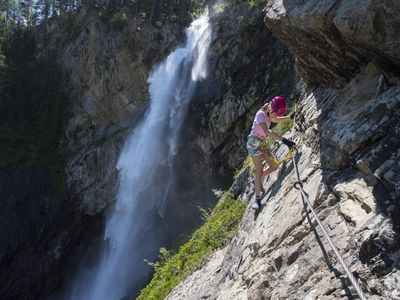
(257, 204)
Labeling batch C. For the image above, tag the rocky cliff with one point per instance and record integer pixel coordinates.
(248, 65)
(347, 131)
(347, 94)
(45, 231)
(109, 72)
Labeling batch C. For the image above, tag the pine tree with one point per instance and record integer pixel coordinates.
(43, 8)
(10, 12)
(28, 13)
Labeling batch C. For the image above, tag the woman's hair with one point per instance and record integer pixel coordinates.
(265, 106)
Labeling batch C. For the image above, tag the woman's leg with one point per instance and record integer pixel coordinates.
(257, 160)
(270, 159)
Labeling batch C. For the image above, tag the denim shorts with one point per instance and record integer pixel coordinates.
(256, 146)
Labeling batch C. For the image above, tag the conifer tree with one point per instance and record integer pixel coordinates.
(28, 12)
(43, 8)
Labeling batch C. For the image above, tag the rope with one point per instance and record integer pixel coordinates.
(299, 185)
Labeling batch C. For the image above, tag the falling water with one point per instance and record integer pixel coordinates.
(146, 168)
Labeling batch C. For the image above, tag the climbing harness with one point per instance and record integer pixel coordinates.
(299, 186)
(284, 160)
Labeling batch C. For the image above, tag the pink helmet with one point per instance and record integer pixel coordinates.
(278, 105)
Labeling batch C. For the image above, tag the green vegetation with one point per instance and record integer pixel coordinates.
(247, 162)
(220, 7)
(246, 23)
(33, 104)
(118, 20)
(33, 98)
(70, 29)
(219, 227)
(255, 3)
(116, 13)
(113, 15)
(252, 3)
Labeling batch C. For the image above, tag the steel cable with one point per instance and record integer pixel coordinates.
(298, 185)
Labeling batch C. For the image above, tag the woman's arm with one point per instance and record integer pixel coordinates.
(270, 133)
(277, 137)
(280, 119)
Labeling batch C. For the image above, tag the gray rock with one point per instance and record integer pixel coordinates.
(332, 39)
(109, 74)
(291, 248)
(240, 83)
(239, 186)
(348, 46)
(370, 25)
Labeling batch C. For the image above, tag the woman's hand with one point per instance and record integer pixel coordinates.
(288, 143)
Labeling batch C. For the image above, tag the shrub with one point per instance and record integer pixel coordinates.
(219, 228)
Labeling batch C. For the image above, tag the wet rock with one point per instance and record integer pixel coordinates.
(36, 226)
(92, 176)
(109, 71)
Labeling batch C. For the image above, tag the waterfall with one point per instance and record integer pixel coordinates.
(145, 170)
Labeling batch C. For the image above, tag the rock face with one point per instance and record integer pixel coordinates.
(109, 72)
(333, 39)
(348, 134)
(44, 233)
(248, 66)
(280, 253)
(348, 137)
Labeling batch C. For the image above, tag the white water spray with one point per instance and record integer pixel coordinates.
(145, 167)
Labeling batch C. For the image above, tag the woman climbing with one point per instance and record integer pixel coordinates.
(272, 111)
